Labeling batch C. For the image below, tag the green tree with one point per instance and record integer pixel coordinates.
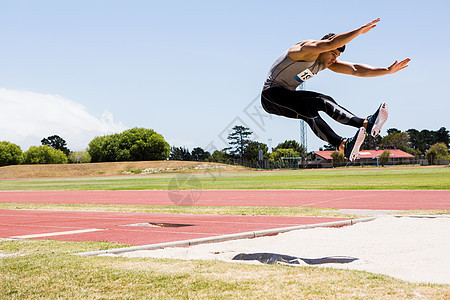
(397, 140)
(198, 154)
(338, 158)
(57, 143)
(428, 138)
(44, 155)
(280, 158)
(133, 144)
(282, 153)
(10, 154)
(416, 141)
(292, 144)
(79, 157)
(220, 157)
(144, 144)
(238, 140)
(251, 152)
(371, 143)
(105, 149)
(437, 151)
(443, 136)
(180, 153)
(384, 157)
(424, 139)
(393, 130)
(96, 147)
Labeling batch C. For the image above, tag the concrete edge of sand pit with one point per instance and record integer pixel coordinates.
(226, 237)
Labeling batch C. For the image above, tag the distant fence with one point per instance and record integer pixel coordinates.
(298, 163)
(286, 163)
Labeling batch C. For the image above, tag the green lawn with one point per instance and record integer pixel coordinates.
(331, 179)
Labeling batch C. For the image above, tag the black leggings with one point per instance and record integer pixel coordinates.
(306, 105)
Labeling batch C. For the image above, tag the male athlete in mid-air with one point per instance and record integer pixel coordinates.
(302, 61)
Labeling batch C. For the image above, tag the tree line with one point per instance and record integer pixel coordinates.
(131, 145)
(241, 147)
(139, 144)
(427, 144)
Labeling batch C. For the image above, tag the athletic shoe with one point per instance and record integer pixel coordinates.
(377, 120)
(352, 145)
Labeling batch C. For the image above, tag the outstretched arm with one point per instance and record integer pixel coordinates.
(309, 50)
(363, 70)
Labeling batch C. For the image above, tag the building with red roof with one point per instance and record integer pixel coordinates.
(365, 157)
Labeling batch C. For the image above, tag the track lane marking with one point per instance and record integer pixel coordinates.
(31, 236)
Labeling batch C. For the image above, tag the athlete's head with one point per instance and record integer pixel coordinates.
(328, 58)
(329, 37)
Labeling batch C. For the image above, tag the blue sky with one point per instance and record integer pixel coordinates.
(192, 69)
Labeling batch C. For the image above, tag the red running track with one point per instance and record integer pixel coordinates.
(341, 199)
(110, 227)
(23, 223)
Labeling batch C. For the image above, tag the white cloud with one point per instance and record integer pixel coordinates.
(27, 117)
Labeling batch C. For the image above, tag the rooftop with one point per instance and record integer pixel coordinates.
(369, 154)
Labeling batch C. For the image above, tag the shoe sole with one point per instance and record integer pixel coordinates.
(381, 119)
(359, 140)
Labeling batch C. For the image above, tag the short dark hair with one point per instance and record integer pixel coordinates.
(330, 36)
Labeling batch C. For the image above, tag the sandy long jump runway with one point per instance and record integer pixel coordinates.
(341, 199)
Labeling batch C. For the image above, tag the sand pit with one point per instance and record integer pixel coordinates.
(414, 249)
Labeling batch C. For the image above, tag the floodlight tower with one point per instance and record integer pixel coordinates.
(303, 127)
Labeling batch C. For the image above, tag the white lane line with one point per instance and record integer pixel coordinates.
(31, 236)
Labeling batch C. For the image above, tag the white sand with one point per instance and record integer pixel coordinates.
(411, 249)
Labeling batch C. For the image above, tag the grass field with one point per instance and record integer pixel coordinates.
(328, 179)
(31, 269)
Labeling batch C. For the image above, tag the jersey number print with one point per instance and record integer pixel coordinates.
(303, 76)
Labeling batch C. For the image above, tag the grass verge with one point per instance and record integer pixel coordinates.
(198, 210)
(209, 210)
(50, 271)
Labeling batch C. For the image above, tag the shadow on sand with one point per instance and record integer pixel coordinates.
(273, 258)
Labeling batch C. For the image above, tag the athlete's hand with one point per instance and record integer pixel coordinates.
(397, 66)
(366, 28)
